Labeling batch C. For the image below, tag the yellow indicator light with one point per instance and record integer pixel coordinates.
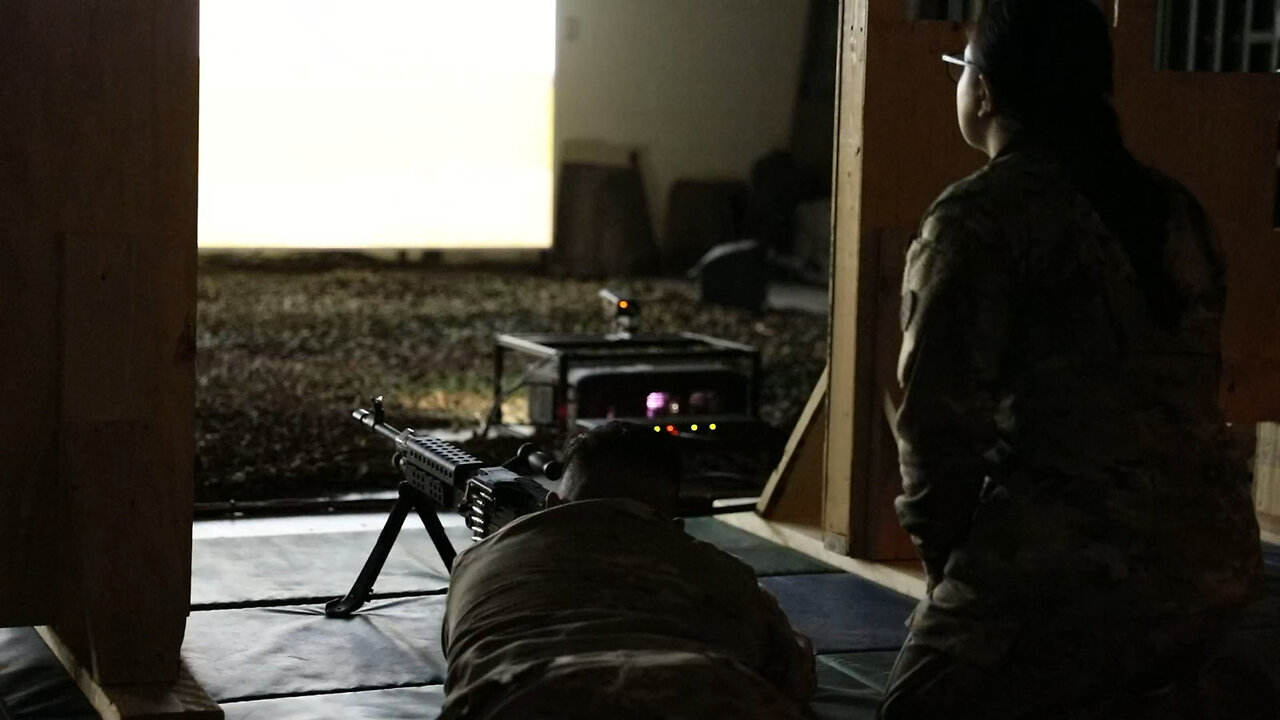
(693, 428)
(712, 426)
(657, 428)
(622, 304)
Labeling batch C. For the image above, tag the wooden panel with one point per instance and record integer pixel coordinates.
(30, 505)
(126, 457)
(1266, 476)
(99, 195)
(1216, 133)
(794, 491)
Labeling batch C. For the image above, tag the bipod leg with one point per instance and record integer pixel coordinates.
(431, 520)
(363, 587)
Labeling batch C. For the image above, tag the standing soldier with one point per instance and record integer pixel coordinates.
(1087, 532)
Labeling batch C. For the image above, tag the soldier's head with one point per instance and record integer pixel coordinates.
(622, 460)
(1040, 67)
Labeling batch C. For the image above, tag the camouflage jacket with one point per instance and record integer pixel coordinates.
(600, 608)
(1058, 447)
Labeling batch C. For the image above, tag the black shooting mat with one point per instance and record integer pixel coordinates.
(842, 694)
(842, 613)
(253, 653)
(291, 662)
(765, 557)
(33, 684)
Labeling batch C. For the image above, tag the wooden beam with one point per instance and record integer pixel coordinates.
(31, 508)
(1266, 476)
(848, 411)
(98, 185)
(895, 152)
(794, 491)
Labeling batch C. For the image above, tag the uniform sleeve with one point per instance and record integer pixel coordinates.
(955, 317)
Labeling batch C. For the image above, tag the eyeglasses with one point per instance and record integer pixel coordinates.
(956, 65)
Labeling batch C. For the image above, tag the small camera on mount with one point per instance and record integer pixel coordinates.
(622, 312)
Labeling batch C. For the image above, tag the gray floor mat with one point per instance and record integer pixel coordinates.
(277, 568)
(260, 653)
(394, 704)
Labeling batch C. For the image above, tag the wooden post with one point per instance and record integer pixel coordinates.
(1266, 477)
(897, 147)
(794, 491)
(98, 165)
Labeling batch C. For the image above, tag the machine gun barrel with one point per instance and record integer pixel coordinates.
(436, 468)
(372, 419)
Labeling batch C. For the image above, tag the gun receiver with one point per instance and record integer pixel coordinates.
(435, 472)
(492, 496)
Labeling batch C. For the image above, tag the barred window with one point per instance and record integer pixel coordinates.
(1218, 35)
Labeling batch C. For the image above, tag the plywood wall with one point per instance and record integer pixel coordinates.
(98, 148)
(1216, 133)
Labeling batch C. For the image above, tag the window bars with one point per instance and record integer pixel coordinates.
(1218, 35)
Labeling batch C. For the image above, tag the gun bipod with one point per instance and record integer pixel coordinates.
(410, 498)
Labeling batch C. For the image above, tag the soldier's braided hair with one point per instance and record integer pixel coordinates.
(1049, 66)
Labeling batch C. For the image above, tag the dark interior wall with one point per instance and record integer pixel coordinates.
(98, 154)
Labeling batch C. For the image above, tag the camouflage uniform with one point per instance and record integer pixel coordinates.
(602, 609)
(1067, 475)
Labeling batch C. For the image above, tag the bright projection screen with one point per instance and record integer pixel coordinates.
(376, 123)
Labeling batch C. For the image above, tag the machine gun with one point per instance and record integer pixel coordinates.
(435, 474)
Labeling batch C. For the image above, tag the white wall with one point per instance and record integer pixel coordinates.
(702, 88)
(376, 123)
